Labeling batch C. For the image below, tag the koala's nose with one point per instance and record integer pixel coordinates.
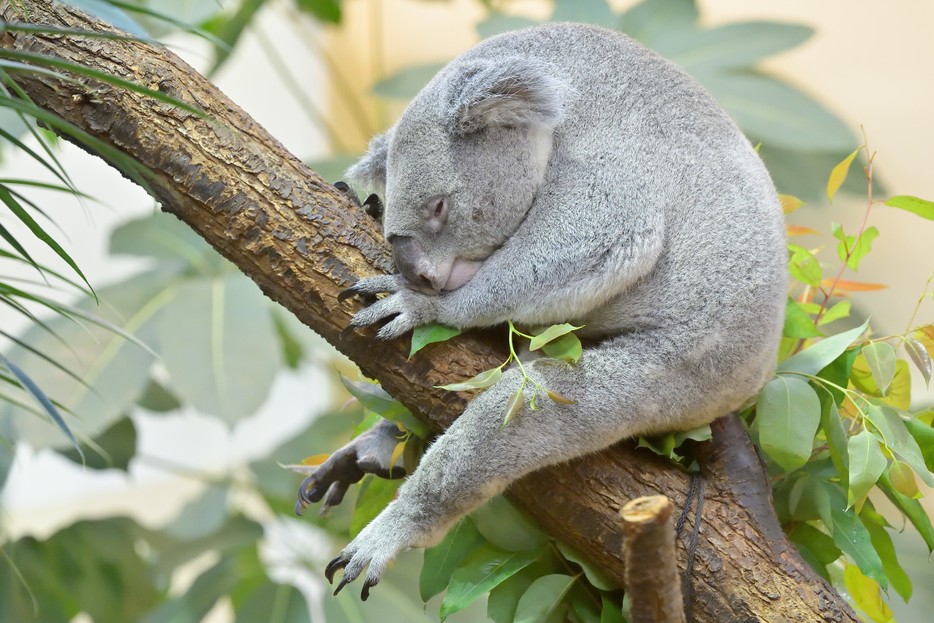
(415, 266)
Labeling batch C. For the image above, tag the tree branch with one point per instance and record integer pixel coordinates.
(303, 242)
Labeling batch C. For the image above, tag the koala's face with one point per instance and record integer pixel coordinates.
(451, 201)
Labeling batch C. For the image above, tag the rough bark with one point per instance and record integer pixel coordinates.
(652, 578)
(302, 242)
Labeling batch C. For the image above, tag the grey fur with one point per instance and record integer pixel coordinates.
(592, 182)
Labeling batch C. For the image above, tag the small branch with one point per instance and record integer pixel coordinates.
(649, 553)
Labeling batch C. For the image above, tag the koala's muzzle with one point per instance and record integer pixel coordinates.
(420, 273)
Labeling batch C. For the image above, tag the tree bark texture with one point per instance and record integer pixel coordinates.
(652, 579)
(303, 242)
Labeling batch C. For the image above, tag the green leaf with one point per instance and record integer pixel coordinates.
(549, 334)
(839, 173)
(375, 495)
(442, 559)
(219, 346)
(595, 12)
(776, 113)
(815, 546)
(866, 465)
(882, 542)
(594, 575)
(924, 436)
(542, 600)
(840, 309)
(116, 368)
(503, 600)
(808, 500)
(851, 536)
(797, 322)
(650, 19)
(20, 212)
(851, 249)
(813, 359)
(429, 334)
(514, 406)
(903, 479)
(566, 348)
(881, 359)
(407, 82)
(480, 381)
(374, 398)
(324, 10)
(39, 396)
(163, 237)
(788, 414)
(157, 398)
(273, 603)
(898, 440)
(912, 509)
(194, 604)
(731, 47)
(506, 527)
(836, 436)
(112, 449)
(485, 568)
(921, 207)
(803, 266)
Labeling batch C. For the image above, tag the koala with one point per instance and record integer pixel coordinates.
(565, 173)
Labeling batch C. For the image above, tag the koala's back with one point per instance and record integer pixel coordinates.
(648, 137)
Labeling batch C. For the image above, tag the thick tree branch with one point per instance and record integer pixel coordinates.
(302, 242)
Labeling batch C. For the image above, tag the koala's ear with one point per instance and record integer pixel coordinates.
(512, 91)
(370, 170)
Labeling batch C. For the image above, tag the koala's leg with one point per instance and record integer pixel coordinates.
(637, 383)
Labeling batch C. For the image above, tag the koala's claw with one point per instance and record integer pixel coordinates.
(338, 563)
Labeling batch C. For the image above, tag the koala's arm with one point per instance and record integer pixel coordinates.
(572, 254)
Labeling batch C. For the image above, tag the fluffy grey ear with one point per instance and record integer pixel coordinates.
(370, 170)
(511, 91)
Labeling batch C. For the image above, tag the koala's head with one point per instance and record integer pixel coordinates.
(461, 168)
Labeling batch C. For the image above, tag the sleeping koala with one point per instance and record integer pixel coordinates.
(564, 173)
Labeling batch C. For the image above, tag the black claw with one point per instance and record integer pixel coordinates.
(346, 331)
(331, 569)
(367, 585)
(347, 294)
(345, 189)
(343, 583)
(299, 507)
(373, 206)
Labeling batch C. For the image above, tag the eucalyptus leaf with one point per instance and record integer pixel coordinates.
(920, 357)
(924, 436)
(442, 559)
(788, 413)
(506, 527)
(429, 334)
(777, 113)
(650, 19)
(798, 323)
(866, 465)
(482, 380)
(912, 509)
(542, 600)
(112, 449)
(866, 594)
(729, 47)
(915, 205)
(852, 537)
(273, 603)
(551, 333)
(487, 567)
(894, 432)
(813, 359)
(219, 346)
(881, 359)
(374, 398)
(375, 495)
(114, 370)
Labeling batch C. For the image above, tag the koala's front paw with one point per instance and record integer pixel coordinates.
(377, 544)
(410, 309)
